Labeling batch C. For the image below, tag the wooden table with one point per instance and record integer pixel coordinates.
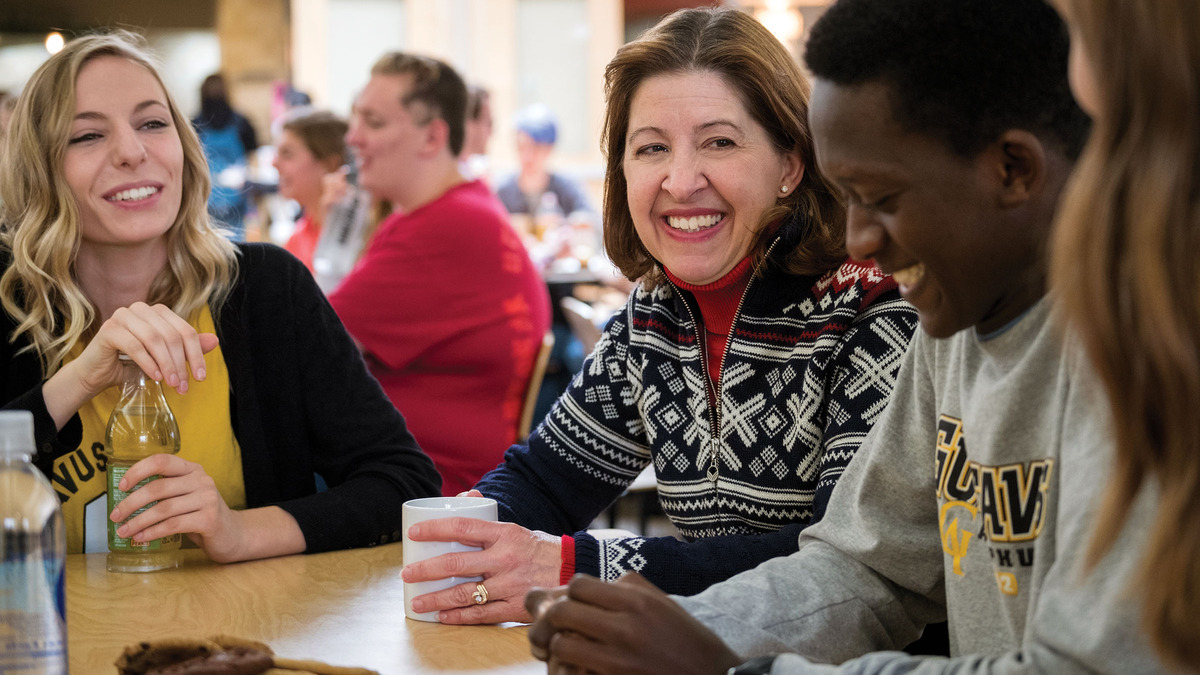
(345, 608)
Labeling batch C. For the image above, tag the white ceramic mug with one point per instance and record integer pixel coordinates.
(432, 508)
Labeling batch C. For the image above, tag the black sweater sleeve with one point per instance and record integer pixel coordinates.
(304, 404)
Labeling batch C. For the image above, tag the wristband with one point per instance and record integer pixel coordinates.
(567, 552)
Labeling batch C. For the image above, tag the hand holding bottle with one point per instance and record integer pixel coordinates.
(154, 496)
(343, 235)
(158, 340)
(141, 425)
(335, 185)
(187, 503)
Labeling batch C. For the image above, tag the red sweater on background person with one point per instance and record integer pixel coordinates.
(303, 241)
(450, 314)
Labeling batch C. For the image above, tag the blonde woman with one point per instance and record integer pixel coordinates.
(1125, 268)
(106, 248)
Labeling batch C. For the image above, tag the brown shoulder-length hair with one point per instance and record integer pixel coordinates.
(774, 90)
(322, 132)
(1124, 266)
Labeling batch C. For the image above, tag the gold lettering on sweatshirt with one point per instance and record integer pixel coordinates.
(1009, 500)
(955, 539)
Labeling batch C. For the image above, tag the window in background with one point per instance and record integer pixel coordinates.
(187, 56)
(359, 32)
(552, 49)
(19, 57)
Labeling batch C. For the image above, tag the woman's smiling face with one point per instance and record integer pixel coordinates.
(701, 173)
(300, 173)
(124, 160)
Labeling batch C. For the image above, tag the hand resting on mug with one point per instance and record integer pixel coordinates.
(513, 560)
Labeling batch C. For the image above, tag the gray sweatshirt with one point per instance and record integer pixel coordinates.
(971, 499)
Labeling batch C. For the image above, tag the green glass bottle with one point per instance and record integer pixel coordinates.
(141, 425)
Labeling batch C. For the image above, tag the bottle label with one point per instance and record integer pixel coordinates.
(32, 628)
(29, 654)
(115, 495)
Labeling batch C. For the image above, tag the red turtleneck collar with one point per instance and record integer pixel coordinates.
(718, 303)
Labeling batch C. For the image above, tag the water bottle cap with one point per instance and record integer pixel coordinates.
(16, 433)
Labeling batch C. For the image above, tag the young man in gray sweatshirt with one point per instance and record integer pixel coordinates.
(950, 129)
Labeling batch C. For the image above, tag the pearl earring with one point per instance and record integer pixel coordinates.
(783, 189)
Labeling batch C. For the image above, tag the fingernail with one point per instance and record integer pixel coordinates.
(123, 530)
(404, 574)
(115, 516)
(414, 531)
(158, 376)
(200, 374)
(172, 380)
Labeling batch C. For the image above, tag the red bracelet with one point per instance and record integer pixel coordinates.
(568, 560)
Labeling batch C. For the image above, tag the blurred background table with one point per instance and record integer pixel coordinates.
(345, 608)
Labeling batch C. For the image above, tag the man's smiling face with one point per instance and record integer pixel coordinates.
(932, 218)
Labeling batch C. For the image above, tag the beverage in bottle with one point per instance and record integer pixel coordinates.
(141, 425)
(33, 544)
(343, 235)
(548, 217)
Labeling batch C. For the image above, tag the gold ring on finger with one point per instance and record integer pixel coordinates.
(480, 596)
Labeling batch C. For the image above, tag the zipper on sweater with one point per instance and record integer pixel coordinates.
(714, 419)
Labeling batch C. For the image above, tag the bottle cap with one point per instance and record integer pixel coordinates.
(16, 433)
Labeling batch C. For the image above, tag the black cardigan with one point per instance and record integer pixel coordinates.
(301, 400)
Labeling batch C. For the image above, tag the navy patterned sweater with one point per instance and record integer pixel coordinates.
(810, 365)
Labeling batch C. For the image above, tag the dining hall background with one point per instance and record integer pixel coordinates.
(277, 54)
(523, 52)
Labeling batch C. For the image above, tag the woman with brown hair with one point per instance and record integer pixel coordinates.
(747, 367)
(1124, 266)
(311, 146)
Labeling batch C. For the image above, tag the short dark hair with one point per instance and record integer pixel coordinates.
(961, 71)
(436, 86)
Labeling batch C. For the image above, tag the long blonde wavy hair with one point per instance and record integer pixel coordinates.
(1124, 265)
(40, 218)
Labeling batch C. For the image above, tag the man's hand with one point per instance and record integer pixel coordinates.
(625, 627)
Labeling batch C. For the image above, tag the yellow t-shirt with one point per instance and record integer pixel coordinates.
(205, 433)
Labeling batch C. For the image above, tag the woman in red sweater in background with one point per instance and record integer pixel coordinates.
(311, 145)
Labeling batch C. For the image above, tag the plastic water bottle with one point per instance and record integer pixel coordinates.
(33, 621)
(141, 425)
(342, 237)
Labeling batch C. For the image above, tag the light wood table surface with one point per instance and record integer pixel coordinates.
(344, 608)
